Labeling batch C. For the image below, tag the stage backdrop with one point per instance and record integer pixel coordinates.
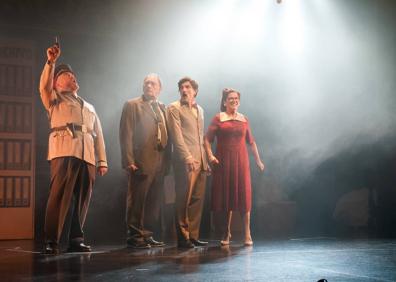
(16, 139)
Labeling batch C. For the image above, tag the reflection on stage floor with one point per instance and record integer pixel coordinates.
(305, 259)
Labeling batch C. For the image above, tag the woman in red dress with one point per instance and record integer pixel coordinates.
(231, 187)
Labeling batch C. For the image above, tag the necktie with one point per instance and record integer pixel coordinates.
(162, 134)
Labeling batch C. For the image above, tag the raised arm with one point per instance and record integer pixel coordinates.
(47, 76)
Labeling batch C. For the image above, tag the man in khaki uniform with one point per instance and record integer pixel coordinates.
(144, 153)
(75, 148)
(186, 125)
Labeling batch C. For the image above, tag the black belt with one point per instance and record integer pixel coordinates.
(72, 128)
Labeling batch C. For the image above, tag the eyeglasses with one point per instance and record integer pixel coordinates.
(232, 98)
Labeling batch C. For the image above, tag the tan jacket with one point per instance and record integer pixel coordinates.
(186, 131)
(63, 108)
(138, 136)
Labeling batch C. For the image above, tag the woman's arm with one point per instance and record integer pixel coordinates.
(209, 152)
(256, 155)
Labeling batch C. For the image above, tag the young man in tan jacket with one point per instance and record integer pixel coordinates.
(186, 125)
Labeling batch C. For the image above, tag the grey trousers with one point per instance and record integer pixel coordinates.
(144, 202)
(71, 185)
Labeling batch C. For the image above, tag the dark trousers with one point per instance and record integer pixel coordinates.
(144, 202)
(71, 186)
(190, 195)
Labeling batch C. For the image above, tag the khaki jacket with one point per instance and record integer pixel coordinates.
(63, 108)
(187, 133)
(138, 137)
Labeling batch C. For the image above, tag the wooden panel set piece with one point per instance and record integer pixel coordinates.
(17, 90)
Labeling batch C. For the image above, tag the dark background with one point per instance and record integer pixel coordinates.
(317, 82)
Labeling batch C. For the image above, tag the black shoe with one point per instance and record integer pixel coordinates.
(51, 249)
(154, 243)
(198, 243)
(185, 244)
(78, 248)
(137, 244)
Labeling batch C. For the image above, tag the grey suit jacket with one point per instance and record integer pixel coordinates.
(138, 136)
(186, 132)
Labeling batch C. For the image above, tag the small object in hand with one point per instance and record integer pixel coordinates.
(57, 43)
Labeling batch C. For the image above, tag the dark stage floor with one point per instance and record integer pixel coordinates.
(288, 260)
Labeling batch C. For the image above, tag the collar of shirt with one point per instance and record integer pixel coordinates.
(145, 99)
(68, 93)
(184, 103)
(239, 117)
(72, 95)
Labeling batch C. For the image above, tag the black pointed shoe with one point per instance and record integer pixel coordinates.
(78, 247)
(51, 248)
(137, 244)
(154, 243)
(185, 244)
(198, 243)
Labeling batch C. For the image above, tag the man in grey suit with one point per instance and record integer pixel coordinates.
(143, 140)
(186, 125)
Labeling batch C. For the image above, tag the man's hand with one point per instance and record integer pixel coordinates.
(214, 161)
(102, 170)
(53, 53)
(192, 164)
(132, 168)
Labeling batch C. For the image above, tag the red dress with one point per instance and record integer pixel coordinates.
(231, 187)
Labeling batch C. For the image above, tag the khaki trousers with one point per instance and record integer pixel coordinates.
(190, 195)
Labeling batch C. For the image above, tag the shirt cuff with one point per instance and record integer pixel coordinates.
(102, 163)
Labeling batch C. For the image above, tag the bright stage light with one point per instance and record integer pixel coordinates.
(292, 28)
